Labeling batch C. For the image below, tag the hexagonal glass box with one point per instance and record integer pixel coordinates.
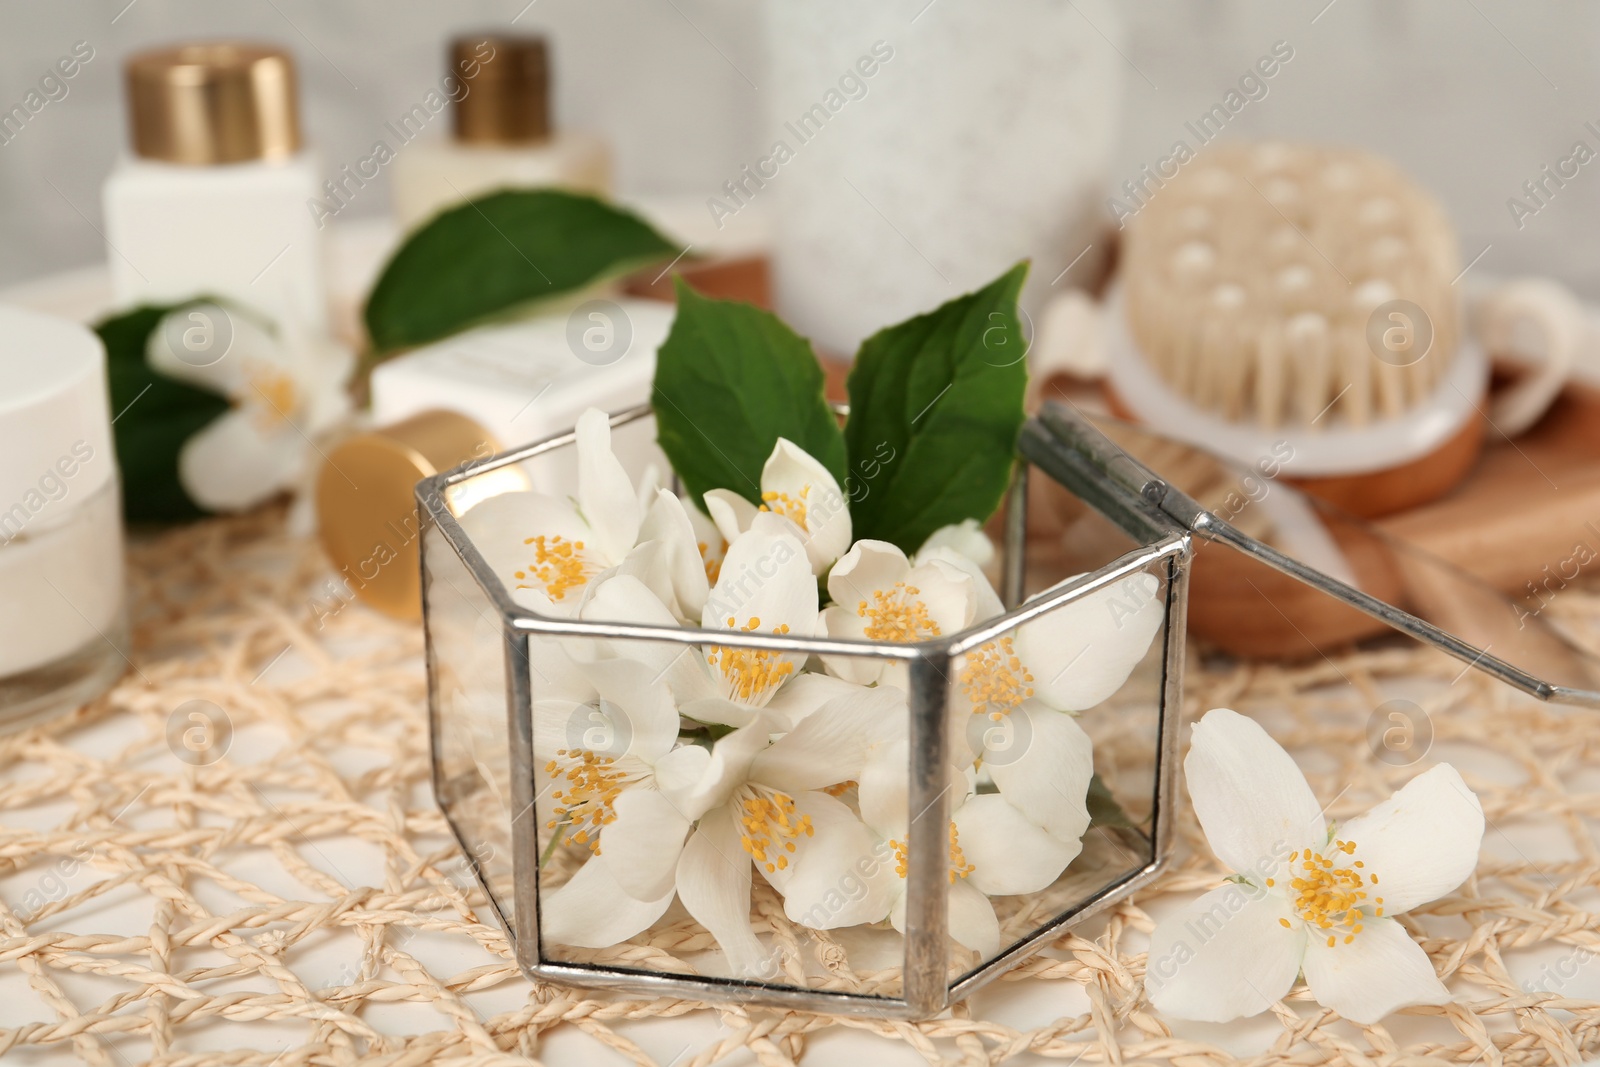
(902, 821)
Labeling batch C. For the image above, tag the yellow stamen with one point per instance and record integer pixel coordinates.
(1328, 896)
(558, 565)
(895, 614)
(959, 867)
(751, 672)
(840, 789)
(792, 508)
(771, 827)
(279, 396)
(713, 566)
(588, 800)
(995, 680)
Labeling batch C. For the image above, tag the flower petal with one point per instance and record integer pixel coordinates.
(554, 722)
(884, 787)
(765, 577)
(666, 521)
(680, 771)
(640, 718)
(986, 601)
(552, 671)
(254, 348)
(802, 695)
(500, 527)
(726, 770)
(831, 744)
(624, 598)
(1420, 843)
(1380, 971)
(1009, 853)
(732, 513)
(620, 597)
(1250, 797)
(605, 492)
(232, 463)
(592, 911)
(799, 480)
(1046, 775)
(837, 621)
(1082, 652)
(642, 845)
(948, 592)
(884, 791)
(868, 566)
(714, 885)
(973, 923)
(843, 876)
(1224, 956)
(651, 563)
(965, 537)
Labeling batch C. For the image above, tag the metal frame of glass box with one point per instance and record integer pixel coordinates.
(926, 986)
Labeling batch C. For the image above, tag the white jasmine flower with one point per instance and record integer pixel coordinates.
(548, 550)
(995, 849)
(601, 729)
(796, 486)
(285, 388)
(1014, 699)
(1307, 899)
(879, 595)
(753, 805)
(1069, 659)
(765, 585)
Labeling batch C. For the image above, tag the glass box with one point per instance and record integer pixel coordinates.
(894, 816)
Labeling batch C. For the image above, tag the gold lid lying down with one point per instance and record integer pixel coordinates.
(367, 510)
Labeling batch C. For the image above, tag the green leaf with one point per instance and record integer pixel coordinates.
(492, 255)
(730, 380)
(935, 407)
(1103, 807)
(155, 415)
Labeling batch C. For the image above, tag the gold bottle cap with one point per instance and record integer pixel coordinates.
(221, 102)
(366, 510)
(508, 89)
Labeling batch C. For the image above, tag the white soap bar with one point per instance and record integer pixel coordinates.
(526, 380)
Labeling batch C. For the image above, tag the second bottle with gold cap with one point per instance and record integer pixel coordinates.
(213, 200)
(503, 135)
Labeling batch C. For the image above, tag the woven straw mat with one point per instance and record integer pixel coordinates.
(299, 900)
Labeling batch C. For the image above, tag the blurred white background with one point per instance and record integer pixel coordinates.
(1473, 96)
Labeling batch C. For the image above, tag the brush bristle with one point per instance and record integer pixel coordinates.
(1252, 278)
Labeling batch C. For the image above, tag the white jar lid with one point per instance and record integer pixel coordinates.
(55, 421)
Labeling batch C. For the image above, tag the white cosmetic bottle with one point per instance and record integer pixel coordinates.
(62, 621)
(502, 135)
(215, 198)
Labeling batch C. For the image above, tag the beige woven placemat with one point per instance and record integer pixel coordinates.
(298, 901)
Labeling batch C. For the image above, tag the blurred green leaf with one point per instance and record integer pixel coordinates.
(493, 255)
